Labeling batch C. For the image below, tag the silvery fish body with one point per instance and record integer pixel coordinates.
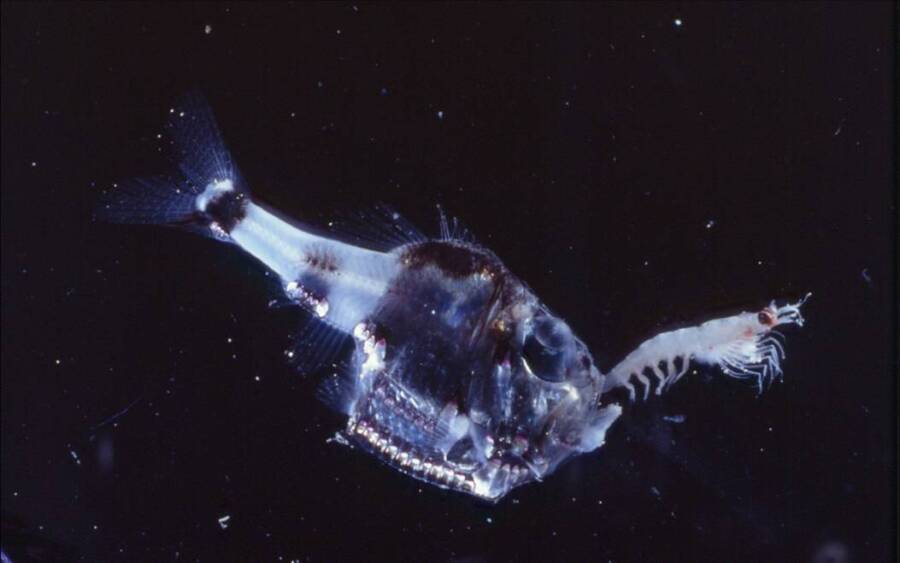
(459, 375)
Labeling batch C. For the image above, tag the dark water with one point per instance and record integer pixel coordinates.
(637, 173)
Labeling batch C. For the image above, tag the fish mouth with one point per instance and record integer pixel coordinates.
(488, 480)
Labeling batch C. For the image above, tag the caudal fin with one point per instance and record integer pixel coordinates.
(153, 200)
(205, 191)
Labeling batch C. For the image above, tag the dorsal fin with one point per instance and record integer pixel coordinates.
(380, 227)
(451, 228)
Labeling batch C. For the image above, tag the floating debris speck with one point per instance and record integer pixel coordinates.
(338, 438)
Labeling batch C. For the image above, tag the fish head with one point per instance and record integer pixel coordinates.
(542, 404)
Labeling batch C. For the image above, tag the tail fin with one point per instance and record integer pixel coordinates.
(200, 149)
(200, 194)
(154, 200)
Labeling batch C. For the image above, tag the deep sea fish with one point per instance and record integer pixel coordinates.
(459, 375)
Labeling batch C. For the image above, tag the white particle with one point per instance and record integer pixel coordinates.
(58, 362)
(96, 527)
(229, 340)
(678, 22)
(33, 164)
(256, 378)
(338, 31)
(223, 521)
(489, 520)
(171, 110)
(180, 114)
(159, 135)
(711, 223)
(207, 29)
(865, 275)
(440, 115)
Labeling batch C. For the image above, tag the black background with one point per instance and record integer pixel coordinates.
(636, 173)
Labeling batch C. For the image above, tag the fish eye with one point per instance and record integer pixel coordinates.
(543, 350)
(550, 332)
(542, 361)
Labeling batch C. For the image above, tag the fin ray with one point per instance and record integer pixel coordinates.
(151, 200)
(317, 346)
(378, 228)
(199, 146)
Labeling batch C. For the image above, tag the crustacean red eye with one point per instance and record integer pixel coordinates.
(766, 317)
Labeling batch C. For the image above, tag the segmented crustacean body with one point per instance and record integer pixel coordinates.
(460, 376)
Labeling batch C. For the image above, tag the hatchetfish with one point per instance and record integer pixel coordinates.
(459, 375)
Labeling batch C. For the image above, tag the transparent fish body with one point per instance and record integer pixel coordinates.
(459, 376)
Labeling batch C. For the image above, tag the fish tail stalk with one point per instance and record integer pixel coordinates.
(338, 283)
